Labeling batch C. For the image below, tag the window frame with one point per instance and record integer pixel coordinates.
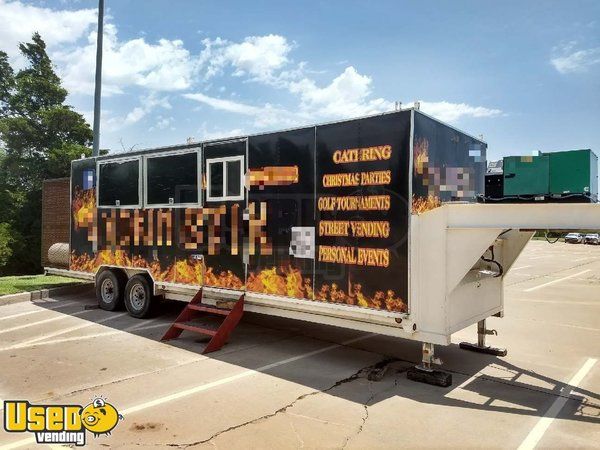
(197, 151)
(119, 160)
(223, 161)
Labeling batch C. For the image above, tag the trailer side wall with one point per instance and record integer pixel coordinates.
(362, 212)
(318, 213)
(448, 165)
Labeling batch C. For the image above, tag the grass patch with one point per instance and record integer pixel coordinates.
(28, 283)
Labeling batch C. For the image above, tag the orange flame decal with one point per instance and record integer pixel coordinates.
(286, 281)
(424, 204)
(87, 263)
(421, 156)
(182, 271)
(83, 207)
(333, 294)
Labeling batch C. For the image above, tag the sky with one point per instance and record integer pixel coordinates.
(524, 74)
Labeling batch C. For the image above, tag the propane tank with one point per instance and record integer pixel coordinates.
(58, 254)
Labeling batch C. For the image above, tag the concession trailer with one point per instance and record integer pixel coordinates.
(370, 224)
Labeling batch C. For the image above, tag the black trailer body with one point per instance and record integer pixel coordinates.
(319, 213)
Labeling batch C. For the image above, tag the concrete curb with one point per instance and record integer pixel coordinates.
(44, 293)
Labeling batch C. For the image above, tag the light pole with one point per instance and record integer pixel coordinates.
(98, 90)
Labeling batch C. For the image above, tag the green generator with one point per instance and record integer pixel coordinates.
(526, 175)
(565, 175)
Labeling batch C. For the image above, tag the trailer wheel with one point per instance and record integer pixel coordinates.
(109, 290)
(138, 297)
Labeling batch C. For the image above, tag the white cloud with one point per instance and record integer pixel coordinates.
(165, 66)
(452, 112)
(225, 105)
(162, 66)
(264, 116)
(266, 59)
(162, 123)
(259, 55)
(135, 115)
(208, 132)
(569, 60)
(19, 21)
(256, 56)
(346, 96)
(146, 106)
(155, 68)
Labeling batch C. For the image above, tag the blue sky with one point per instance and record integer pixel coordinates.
(526, 75)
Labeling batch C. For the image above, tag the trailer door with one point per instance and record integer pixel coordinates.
(224, 200)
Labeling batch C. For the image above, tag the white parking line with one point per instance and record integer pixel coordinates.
(244, 374)
(555, 324)
(534, 436)
(556, 281)
(19, 444)
(40, 322)
(142, 324)
(557, 302)
(207, 386)
(468, 381)
(88, 336)
(33, 341)
(519, 268)
(37, 311)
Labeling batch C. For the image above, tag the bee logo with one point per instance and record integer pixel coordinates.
(100, 417)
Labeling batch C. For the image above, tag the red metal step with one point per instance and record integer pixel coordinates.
(195, 307)
(195, 329)
(209, 309)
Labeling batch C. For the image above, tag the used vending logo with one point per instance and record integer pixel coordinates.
(61, 424)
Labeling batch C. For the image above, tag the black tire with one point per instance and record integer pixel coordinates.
(139, 299)
(110, 287)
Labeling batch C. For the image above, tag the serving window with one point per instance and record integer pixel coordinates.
(225, 178)
(119, 183)
(172, 179)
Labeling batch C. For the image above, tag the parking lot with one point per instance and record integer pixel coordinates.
(286, 384)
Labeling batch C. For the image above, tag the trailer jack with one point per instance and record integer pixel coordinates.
(425, 373)
(480, 347)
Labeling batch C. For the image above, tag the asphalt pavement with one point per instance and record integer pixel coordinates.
(284, 384)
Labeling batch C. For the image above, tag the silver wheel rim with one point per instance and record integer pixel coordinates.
(107, 291)
(137, 297)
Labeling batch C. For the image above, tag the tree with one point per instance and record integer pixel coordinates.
(7, 82)
(6, 241)
(39, 136)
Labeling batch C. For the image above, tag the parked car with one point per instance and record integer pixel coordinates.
(574, 238)
(592, 238)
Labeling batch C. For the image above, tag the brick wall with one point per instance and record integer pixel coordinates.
(56, 208)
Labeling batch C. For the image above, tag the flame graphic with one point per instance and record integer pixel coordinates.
(287, 281)
(424, 204)
(421, 156)
(190, 271)
(333, 294)
(182, 271)
(421, 168)
(83, 207)
(87, 263)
